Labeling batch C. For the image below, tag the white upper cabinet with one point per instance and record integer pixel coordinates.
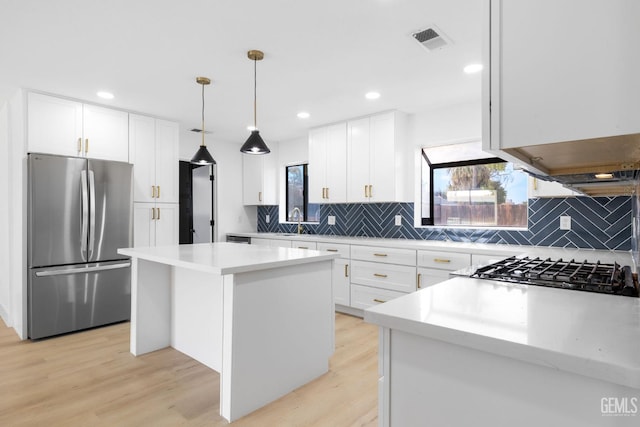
(106, 133)
(328, 164)
(560, 71)
(154, 153)
(259, 179)
(376, 156)
(70, 128)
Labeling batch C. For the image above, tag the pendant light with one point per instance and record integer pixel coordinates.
(202, 156)
(255, 144)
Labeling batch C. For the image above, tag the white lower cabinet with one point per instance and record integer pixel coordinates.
(450, 261)
(431, 276)
(365, 296)
(434, 266)
(341, 271)
(340, 282)
(484, 259)
(380, 274)
(401, 278)
(155, 224)
(303, 245)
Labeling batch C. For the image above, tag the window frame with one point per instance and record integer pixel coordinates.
(429, 221)
(305, 192)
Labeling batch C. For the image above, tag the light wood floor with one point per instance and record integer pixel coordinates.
(91, 379)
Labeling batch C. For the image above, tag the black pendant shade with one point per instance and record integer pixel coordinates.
(255, 144)
(203, 157)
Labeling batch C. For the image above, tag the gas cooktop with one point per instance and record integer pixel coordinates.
(576, 275)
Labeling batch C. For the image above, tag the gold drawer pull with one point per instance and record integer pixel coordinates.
(346, 270)
(158, 191)
(379, 254)
(419, 277)
(153, 191)
(259, 196)
(303, 247)
(332, 250)
(379, 300)
(153, 213)
(79, 145)
(442, 261)
(86, 145)
(327, 192)
(158, 213)
(380, 275)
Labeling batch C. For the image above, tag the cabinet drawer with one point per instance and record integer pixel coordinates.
(429, 276)
(340, 248)
(400, 278)
(484, 259)
(303, 245)
(443, 260)
(365, 296)
(385, 255)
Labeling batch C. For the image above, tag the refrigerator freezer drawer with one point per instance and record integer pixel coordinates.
(71, 298)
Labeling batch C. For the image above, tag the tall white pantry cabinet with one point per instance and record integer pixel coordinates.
(153, 149)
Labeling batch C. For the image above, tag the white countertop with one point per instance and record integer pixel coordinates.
(594, 335)
(592, 255)
(227, 258)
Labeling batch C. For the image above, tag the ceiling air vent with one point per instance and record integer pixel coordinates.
(431, 38)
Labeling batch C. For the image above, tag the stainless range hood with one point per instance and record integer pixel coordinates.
(596, 167)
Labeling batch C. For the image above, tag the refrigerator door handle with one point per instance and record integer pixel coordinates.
(92, 213)
(85, 215)
(82, 270)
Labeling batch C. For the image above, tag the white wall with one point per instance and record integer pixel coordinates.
(13, 250)
(5, 294)
(231, 215)
(445, 125)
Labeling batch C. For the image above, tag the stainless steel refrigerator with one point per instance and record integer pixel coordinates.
(80, 213)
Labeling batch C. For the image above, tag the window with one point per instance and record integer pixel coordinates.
(475, 192)
(298, 196)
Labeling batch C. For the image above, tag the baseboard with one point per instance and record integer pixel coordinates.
(358, 312)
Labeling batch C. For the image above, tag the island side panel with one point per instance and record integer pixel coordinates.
(196, 307)
(278, 334)
(431, 380)
(150, 306)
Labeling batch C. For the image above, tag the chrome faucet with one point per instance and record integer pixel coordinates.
(293, 211)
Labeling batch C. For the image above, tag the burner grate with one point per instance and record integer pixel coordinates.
(578, 275)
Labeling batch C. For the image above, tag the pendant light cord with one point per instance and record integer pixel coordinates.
(255, 85)
(203, 114)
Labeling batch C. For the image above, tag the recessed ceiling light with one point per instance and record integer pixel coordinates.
(105, 95)
(372, 95)
(303, 115)
(473, 68)
(604, 175)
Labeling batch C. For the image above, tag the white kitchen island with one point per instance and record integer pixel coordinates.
(262, 317)
(471, 352)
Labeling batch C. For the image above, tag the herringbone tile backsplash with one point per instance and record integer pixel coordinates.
(596, 223)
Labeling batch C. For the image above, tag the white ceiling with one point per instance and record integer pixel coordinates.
(320, 56)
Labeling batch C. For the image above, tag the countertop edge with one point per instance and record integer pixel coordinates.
(617, 374)
(445, 246)
(320, 256)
